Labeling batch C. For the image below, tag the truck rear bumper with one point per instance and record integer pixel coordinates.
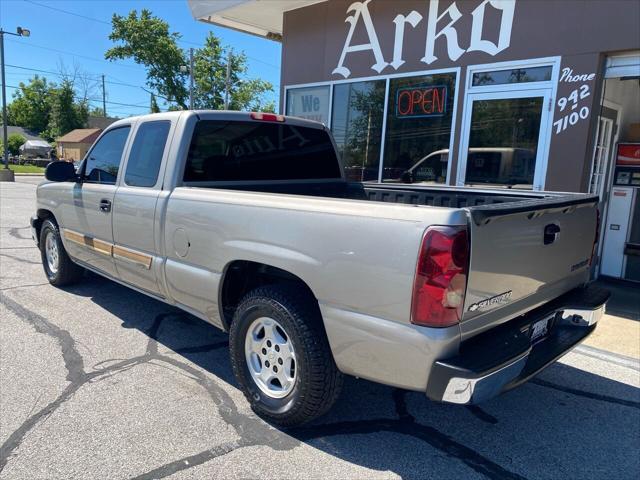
(504, 357)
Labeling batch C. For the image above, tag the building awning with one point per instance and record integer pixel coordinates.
(258, 17)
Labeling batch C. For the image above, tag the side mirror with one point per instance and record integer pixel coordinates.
(60, 172)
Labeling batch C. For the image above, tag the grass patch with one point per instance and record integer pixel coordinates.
(25, 168)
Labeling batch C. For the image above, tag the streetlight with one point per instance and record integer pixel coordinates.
(6, 175)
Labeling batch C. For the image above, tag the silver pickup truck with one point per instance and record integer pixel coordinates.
(246, 221)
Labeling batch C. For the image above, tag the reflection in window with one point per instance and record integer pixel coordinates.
(146, 153)
(503, 142)
(103, 161)
(356, 125)
(232, 151)
(418, 128)
(516, 75)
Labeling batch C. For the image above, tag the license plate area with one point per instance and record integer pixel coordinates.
(540, 329)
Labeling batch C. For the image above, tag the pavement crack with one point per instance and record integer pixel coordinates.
(73, 361)
(15, 287)
(194, 460)
(406, 424)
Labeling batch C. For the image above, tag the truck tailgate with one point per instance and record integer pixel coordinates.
(526, 253)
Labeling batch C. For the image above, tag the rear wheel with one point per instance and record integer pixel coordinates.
(281, 357)
(58, 267)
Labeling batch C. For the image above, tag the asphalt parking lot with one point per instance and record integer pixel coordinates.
(98, 381)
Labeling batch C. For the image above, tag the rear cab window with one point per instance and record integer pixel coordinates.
(232, 151)
(146, 154)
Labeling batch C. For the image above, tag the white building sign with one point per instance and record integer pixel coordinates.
(447, 32)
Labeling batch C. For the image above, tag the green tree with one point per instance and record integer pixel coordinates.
(31, 104)
(96, 112)
(147, 40)
(65, 114)
(153, 107)
(14, 142)
(210, 78)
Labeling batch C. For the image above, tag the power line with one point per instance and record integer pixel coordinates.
(67, 12)
(62, 75)
(104, 22)
(75, 55)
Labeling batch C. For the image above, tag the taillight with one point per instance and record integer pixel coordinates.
(267, 117)
(595, 240)
(441, 277)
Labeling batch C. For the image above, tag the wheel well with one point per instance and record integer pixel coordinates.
(43, 215)
(241, 276)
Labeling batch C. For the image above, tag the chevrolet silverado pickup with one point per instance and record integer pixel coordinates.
(246, 220)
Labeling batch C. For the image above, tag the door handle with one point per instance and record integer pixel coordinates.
(105, 205)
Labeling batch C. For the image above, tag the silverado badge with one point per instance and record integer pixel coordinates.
(500, 298)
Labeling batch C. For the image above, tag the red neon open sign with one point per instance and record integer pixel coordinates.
(421, 101)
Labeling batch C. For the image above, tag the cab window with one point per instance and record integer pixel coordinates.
(103, 160)
(146, 153)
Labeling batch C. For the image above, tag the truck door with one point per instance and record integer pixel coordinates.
(86, 216)
(135, 226)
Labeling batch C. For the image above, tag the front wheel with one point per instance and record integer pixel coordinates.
(58, 267)
(281, 357)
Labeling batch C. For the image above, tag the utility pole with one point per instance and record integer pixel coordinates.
(104, 98)
(227, 83)
(5, 147)
(6, 175)
(191, 79)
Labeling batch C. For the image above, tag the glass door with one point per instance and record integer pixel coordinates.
(505, 139)
(601, 153)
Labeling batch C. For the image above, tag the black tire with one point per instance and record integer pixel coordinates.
(67, 271)
(318, 381)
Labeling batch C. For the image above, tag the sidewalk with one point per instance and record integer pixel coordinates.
(619, 329)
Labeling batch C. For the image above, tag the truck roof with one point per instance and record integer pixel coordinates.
(228, 115)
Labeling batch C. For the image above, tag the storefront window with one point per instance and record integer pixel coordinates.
(356, 124)
(503, 142)
(311, 103)
(516, 75)
(418, 129)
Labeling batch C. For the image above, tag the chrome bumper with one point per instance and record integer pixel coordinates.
(505, 357)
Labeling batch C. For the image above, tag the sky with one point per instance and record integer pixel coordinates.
(74, 34)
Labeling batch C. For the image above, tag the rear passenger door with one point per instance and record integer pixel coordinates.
(135, 227)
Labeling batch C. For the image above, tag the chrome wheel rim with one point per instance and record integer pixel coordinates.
(51, 252)
(271, 358)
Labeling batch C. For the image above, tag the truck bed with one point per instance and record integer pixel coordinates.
(440, 196)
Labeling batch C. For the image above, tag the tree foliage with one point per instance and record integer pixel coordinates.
(148, 41)
(31, 104)
(14, 142)
(46, 108)
(66, 114)
(153, 106)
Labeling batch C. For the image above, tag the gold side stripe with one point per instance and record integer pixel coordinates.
(132, 256)
(109, 249)
(91, 243)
